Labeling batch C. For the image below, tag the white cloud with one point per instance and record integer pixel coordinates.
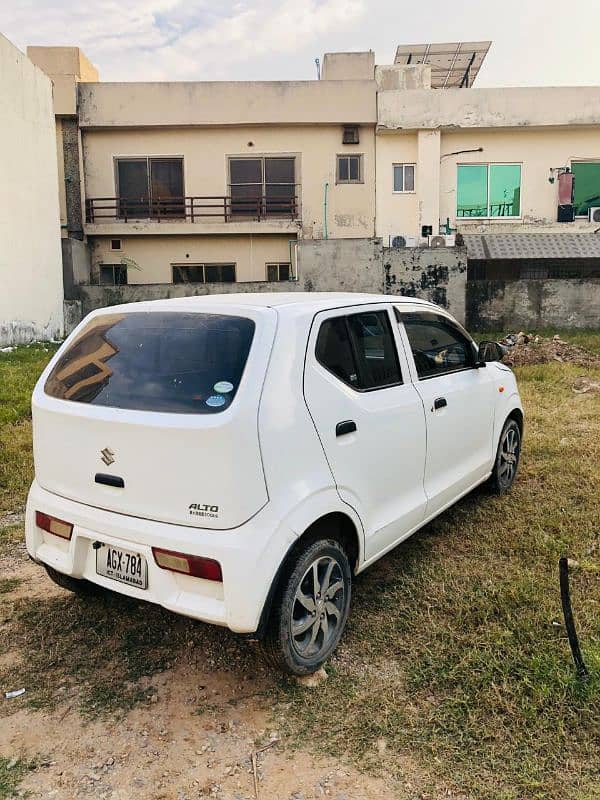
(270, 40)
(179, 39)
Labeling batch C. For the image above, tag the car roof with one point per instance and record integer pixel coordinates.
(282, 301)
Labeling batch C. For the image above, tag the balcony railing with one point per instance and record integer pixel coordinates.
(191, 209)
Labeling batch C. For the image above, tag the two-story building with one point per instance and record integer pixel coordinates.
(217, 181)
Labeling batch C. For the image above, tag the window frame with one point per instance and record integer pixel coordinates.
(114, 267)
(355, 355)
(202, 264)
(581, 161)
(148, 159)
(346, 157)
(278, 264)
(401, 313)
(487, 165)
(404, 165)
(263, 157)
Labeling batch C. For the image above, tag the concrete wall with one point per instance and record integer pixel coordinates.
(31, 289)
(526, 305)
(521, 107)
(348, 66)
(151, 256)
(351, 207)
(438, 275)
(220, 103)
(338, 265)
(66, 66)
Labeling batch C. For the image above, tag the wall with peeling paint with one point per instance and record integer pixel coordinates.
(438, 275)
(530, 304)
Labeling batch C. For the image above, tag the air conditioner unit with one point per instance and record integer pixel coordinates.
(401, 240)
(594, 214)
(442, 240)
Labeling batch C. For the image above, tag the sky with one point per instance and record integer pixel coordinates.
(535, 42)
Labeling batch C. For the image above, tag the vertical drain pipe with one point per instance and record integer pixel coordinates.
(325, 204)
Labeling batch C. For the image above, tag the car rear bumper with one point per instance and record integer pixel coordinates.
(249, 557)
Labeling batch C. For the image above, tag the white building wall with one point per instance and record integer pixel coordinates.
(31, 286)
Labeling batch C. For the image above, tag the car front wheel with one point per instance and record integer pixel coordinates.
(310, 610)
(507, 457)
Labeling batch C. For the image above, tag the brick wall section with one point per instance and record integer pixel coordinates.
(70, 132)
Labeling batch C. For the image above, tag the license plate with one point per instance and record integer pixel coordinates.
(122, 565)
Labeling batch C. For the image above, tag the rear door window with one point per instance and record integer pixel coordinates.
(169, 362)
(359, 349)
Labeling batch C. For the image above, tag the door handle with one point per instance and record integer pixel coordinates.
(347, 426)
(439, 402)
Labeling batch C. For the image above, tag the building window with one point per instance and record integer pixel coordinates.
(587, 186)
(203, 273)
(488, 190)
(113, 275)
(278, 272)
(115, 244)
(150, 187)
(263, 186)
(404, 178)
(349, 169)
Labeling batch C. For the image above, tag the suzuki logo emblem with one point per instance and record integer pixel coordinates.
(107, 456)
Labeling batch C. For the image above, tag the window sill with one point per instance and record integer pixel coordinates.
(410, 192)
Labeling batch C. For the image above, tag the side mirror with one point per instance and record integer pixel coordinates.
(490, 351)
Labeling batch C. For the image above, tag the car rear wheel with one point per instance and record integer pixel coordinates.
(310, 611)
(76, 585)
(507, 457)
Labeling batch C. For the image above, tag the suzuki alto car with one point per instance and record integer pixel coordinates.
(239, 458)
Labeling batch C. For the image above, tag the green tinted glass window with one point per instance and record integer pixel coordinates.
(488, 190)
(587, 186)
(505, 190)
(472, 190)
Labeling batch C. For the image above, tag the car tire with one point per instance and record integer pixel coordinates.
(310, 609)
(78, 586)
(507, 458)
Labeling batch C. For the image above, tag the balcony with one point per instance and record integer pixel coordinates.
(214, 214)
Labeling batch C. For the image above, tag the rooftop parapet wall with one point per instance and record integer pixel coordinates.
(111, 105)
(488, 108)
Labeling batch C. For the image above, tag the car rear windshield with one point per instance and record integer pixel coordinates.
(170, 362)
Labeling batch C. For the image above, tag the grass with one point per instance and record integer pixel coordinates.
(19, 370)
(8, 584)
(452, 654)
(12, 772)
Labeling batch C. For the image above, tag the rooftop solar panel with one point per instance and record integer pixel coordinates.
(453, 64)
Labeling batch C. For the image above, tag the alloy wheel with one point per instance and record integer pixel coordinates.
(509, 456)
(318, 607)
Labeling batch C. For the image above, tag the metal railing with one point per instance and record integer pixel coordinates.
(192, 209)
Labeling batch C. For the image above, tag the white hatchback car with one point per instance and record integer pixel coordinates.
(237, 458)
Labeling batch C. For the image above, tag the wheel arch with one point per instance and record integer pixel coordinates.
(333, 525)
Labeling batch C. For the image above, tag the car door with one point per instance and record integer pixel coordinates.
(458, 398)
(369, 418)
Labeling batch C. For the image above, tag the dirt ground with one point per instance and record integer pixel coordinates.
(167, 749)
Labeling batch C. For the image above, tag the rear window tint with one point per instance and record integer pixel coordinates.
(169, 362)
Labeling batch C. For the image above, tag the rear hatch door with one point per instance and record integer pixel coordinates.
(164, 402)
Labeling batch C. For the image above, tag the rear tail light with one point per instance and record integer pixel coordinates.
(197, 566)
(53, 525)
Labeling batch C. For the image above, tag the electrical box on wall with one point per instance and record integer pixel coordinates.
(566, 213)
